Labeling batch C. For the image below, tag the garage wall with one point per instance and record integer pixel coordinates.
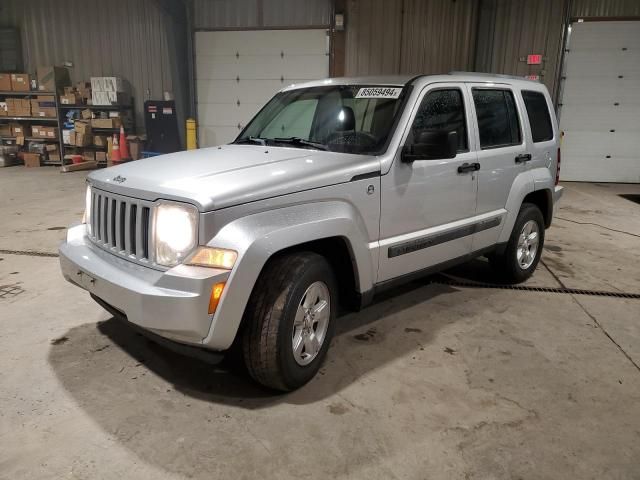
(235, 14)
(608, 8)
(512, 29)
(119, 37)
(410, 36)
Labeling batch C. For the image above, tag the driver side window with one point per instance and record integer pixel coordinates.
(442, 110)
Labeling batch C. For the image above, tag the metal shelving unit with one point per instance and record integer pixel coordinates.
(95, 131)
(56, 120)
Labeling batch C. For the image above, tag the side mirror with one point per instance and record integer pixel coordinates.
(431, 145)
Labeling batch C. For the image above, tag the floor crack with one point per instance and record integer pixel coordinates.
(592, 317)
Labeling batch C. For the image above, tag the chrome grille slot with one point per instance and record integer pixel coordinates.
(122, 225)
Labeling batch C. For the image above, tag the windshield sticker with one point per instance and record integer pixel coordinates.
(379, 92)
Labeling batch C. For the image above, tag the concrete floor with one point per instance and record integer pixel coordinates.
(432, 381)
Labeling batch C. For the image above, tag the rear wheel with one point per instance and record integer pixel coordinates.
(520, 258)
(290, 320)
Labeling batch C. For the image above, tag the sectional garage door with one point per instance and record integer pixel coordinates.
(238, 71)
(600, 111)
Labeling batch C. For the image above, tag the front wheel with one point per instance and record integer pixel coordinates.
(520, 258)
(290, 320)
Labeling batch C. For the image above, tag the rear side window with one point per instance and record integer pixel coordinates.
(538, 113)
(498, 122)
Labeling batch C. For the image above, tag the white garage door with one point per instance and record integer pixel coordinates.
(600, 112)
(238, 71)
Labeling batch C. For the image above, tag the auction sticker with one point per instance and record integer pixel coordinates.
(379, 92)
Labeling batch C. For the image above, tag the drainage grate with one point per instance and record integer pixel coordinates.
(570, 291)
(8, 291)
(29, 253)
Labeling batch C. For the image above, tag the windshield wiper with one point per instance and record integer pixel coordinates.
(300, 141)
(258, 140)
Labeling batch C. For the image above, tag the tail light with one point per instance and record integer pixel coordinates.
(558, 169)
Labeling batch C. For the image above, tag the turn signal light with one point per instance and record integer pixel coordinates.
(216, 293)
(213, 257)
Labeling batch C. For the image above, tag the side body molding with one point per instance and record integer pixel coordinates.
(257, 237)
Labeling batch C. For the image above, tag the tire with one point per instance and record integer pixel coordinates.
(510, 264)
(272, 321)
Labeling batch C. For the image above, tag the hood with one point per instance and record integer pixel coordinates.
(219, 177)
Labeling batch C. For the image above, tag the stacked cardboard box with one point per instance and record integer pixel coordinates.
(18, 107)
(84, 90)
(39, 131)
(43, 106)
(70, 97)
(108, 91)
(113, 122)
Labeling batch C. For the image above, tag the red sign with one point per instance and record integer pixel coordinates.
(532, 77)
(534, 59)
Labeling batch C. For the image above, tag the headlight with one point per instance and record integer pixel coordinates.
(86, 217)
(175, 232)
(213, 257)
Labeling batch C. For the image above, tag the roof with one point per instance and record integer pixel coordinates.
(402, 80)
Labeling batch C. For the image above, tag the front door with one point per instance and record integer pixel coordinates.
(427, 204)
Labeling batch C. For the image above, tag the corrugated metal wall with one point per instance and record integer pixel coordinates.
(410, 36)
(230, 14)
(512, 29)
(120, 37)
(609, 8)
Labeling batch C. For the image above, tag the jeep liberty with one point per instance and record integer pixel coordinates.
(335, 190)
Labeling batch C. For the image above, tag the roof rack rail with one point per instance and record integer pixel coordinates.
(492, 75)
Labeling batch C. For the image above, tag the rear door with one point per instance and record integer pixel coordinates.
(502, 154)
(541, 134)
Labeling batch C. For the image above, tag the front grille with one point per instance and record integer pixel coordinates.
(121, 225)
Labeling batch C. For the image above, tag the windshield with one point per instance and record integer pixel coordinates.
(344, 118)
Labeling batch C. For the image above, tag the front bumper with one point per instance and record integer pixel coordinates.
(173, 303)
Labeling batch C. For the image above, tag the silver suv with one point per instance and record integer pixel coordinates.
(336, 190)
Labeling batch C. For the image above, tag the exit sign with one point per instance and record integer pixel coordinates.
(535, 59)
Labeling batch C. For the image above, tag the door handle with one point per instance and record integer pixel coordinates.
(523, 157)
(468, 167)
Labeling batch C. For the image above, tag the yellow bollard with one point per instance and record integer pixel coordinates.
(192, 142)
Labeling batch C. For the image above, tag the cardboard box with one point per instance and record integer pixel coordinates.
(100, 141)
(53, 156)
(81, 139)
(20, 82)
(89, 156)
(135, 147)
(107, 84)
(50, 79)
(39, 131)
(70, 99)
(31, 160)
(101, 156)
(5, 130)
(20, 130)
(3, 109)
(82, 127)
(66, 137)
(51, 147)
(5, 82)
(86, 114)
(48, 112)
(106, 122)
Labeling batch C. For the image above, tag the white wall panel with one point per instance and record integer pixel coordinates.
(600, 113)
(237, 72)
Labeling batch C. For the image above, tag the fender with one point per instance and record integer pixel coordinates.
(259, 236)
(521, 187)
